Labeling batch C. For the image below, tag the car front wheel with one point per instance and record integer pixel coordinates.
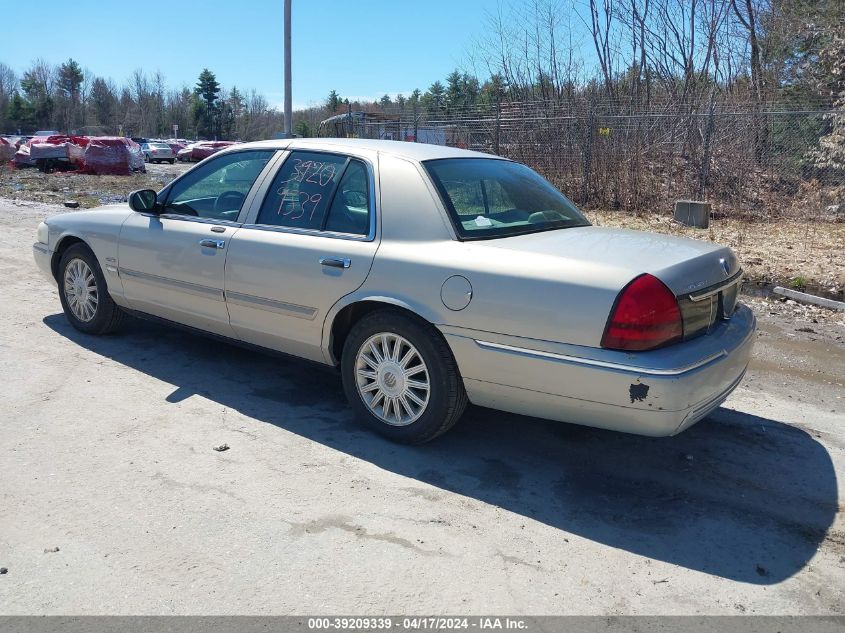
(400, 377)
(83, 293)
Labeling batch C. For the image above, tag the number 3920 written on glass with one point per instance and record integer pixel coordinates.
(294, 203)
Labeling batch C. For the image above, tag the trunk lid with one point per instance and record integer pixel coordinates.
(705, 277)
(684, 265)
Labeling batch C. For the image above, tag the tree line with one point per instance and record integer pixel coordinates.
(68, 98)
(681, 56)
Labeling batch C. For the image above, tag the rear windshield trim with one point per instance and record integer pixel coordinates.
(453, 214)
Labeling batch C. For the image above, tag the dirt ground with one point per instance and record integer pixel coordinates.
(89, 191)
(113, 501)
(793, 253)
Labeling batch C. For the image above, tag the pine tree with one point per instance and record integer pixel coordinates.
(333, 102)
(302, 129)
(69, 82)
(35, 84)
(205, 114)
(104, 103)
(20, 112)
(435, 99)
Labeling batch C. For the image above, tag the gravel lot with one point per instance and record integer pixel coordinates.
(112, 499)
(88, 190)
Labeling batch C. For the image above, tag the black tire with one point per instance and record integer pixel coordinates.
(172, 161)
(447, 397)
(107, 316)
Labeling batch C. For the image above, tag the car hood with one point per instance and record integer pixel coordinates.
(681, 263)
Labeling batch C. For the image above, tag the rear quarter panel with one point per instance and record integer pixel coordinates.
(523, 294)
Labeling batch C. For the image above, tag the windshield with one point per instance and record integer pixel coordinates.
(488, 197)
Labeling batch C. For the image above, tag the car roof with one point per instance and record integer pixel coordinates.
(411, 151)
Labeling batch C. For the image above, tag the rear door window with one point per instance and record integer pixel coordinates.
(319, 191)
(350, 210)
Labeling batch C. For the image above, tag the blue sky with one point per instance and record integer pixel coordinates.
(362, 48)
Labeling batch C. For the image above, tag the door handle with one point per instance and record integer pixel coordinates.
(336, 262)
(212, 243)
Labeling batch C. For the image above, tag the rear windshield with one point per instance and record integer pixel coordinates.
(488, 197)
(160, 145)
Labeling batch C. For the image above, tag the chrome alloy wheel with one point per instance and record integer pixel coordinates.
(392, 379)
(81, 290)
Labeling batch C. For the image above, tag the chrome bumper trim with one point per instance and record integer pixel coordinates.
(632, 369)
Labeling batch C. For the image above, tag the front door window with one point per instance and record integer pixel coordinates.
(217, 189)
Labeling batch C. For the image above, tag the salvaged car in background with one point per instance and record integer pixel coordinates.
(430, 276)
(113, 155)
(202, 150)
(47, 152)
(157, 152)
(175, 146)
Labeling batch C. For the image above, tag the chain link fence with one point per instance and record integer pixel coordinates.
(757, 161)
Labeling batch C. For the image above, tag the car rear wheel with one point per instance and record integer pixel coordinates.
(83, 293)
(400, 377)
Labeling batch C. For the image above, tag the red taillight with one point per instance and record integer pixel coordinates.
(646, 316)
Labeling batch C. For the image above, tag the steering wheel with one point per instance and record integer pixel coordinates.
(235, 200)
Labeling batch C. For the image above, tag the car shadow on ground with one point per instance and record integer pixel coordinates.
(737, 496)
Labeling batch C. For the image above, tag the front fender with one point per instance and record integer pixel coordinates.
(99, 230)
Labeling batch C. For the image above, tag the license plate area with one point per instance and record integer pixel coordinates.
(727, 301)
(703, 310)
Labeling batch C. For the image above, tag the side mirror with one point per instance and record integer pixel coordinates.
(143, 200)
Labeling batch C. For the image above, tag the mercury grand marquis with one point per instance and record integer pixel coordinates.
(429, 276)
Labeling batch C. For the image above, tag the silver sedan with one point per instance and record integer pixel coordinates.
(158, 153)
(429, 276)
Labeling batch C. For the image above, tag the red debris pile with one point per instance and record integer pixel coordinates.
(114, 155)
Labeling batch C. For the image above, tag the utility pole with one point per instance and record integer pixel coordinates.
(288, 98)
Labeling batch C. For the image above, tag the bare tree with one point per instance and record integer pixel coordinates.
(746, 13)
(8, 86)
(602, 31)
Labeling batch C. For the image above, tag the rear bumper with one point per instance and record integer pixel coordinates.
(44, 259)
(649, 393)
